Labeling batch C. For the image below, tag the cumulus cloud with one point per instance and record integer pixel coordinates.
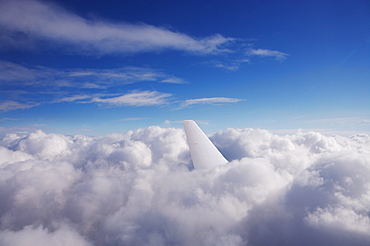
(139, 188)
(46, 21)
(42, 236)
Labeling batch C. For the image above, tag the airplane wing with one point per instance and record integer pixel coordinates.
(203, 153)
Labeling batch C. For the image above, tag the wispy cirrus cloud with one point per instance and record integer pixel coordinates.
(73, 98)
(82, 78)
(8, 119)
(14, 72)
(23, 86)
(231, 65)
(267, 53)
(47, 21)
(209, 101)
(13, 105)
(136, 98)
(173, 80)
(133, 98)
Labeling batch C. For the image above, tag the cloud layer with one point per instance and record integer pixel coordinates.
(139, 189)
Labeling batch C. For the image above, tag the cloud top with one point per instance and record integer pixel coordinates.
(139, 188)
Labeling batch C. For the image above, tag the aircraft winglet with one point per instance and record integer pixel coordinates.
(203, 153)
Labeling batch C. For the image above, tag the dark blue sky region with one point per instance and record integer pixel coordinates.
(102, 67)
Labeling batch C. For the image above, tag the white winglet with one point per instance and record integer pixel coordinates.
(202, 150)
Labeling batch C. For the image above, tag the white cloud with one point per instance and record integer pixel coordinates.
(210, 100)
(138, 189)
(11, 72)
(73, 98)
(42, 236)
(340, 219)
(174, 80)
(268, 53)
(13, 105)
(72, 81)
(231, 65)
(8, 119)
(47, 21)
(136, 98)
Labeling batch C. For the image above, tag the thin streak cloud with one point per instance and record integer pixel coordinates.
(210, 101)
(83, 78)
(74, 85)
(73, 98)
(13, 105)
(268, 53)
(136, 98)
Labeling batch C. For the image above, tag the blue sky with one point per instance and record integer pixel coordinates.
(95, 68)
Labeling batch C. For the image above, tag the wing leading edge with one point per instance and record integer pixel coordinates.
(203, 153)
